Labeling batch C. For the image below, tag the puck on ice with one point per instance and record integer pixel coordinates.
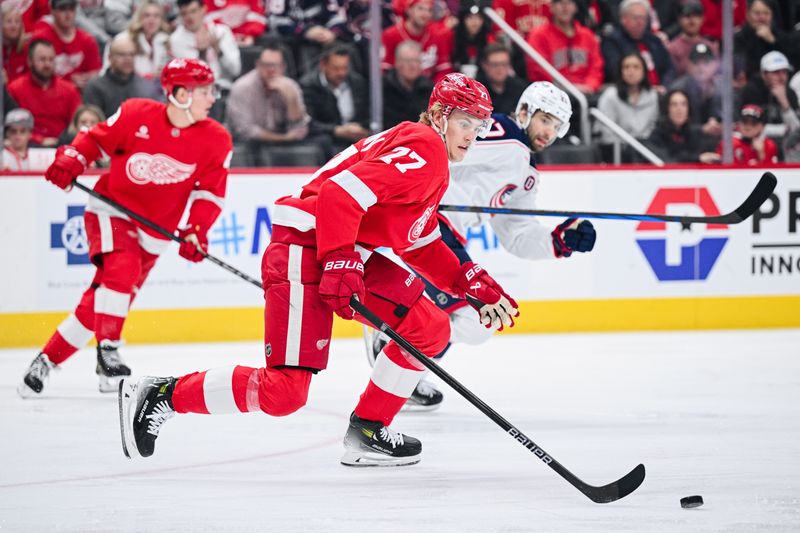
(691, 501)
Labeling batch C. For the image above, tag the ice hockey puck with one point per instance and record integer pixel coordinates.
(691, 501)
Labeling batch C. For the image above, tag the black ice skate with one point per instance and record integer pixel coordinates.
(144, 406)
(110, 367)
(36, 376)
(425, 397)
(369, 443)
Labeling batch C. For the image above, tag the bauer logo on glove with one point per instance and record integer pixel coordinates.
(496, 308)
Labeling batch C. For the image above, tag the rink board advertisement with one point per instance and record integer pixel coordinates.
(640, 275)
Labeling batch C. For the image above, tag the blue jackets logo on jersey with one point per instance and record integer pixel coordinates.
(681, 253)
(71, 236)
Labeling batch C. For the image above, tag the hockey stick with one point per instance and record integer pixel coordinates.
(758, 196)
(605, 494)
(164, 232)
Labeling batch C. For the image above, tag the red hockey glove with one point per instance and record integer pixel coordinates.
(573, 235)
(342, 277)
(194, 243)
(495, 307)
(68, 165)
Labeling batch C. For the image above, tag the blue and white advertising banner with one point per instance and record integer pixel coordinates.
(46, 266)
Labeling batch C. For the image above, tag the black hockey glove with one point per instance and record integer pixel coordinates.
(573, 235)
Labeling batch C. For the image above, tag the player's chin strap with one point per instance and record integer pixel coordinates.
(185, 107)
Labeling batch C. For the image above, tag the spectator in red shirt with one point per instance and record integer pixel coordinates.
(712, 23)
(15, 61)
(51, 100)
(31, 10)
(246, 18)
(524, 16)
(77, 54)
(569, 46)
(416, 26)
(750, 145)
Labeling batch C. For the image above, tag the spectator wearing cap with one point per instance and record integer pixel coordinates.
(761, 35)
(17, 137)
(119, 82)
(750, 144)
(50, 99)
(690, 20)
(504, 87)
(77, 53)
(470, 38)
(569, 46)
(634, 35)
(405, 89)
(770, 91)
(415, 25)
(702, 85)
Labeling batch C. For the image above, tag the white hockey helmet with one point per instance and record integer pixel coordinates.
(544, 96)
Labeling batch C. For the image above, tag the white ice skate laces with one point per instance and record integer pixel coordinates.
(110, 355)
(395, 438)
(41, 367)
(425, 389)
(161, 413)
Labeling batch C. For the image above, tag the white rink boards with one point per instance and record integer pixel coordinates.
(710, 413)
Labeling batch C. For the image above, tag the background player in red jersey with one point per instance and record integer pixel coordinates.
(381, 191)
(163, 157)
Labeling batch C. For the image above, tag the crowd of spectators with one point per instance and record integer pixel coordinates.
(293, 75)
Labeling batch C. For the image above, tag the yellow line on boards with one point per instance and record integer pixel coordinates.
(562, 316)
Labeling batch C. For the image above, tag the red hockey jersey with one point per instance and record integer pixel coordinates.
(523, 15)
(577, 58)
(156, 168)
(243, 17)
(435, 49)
(381, 191)
(745, 154)
(79, 55)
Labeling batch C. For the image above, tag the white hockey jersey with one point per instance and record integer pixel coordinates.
(500, 171)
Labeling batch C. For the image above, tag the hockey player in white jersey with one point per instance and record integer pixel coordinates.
(500, 171)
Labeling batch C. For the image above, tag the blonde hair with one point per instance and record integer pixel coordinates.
(426, 117)
(135, 27)
(8, 8)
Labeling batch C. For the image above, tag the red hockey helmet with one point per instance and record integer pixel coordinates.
(457, 91)
(187, 73)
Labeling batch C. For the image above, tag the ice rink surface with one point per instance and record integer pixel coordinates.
(710, 413)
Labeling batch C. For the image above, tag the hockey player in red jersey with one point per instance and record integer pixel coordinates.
(381, 191)
(500, 171)
(163, 157)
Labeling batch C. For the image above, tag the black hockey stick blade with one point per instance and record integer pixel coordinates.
(616, 490)
(605, 494)
(758, 196)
